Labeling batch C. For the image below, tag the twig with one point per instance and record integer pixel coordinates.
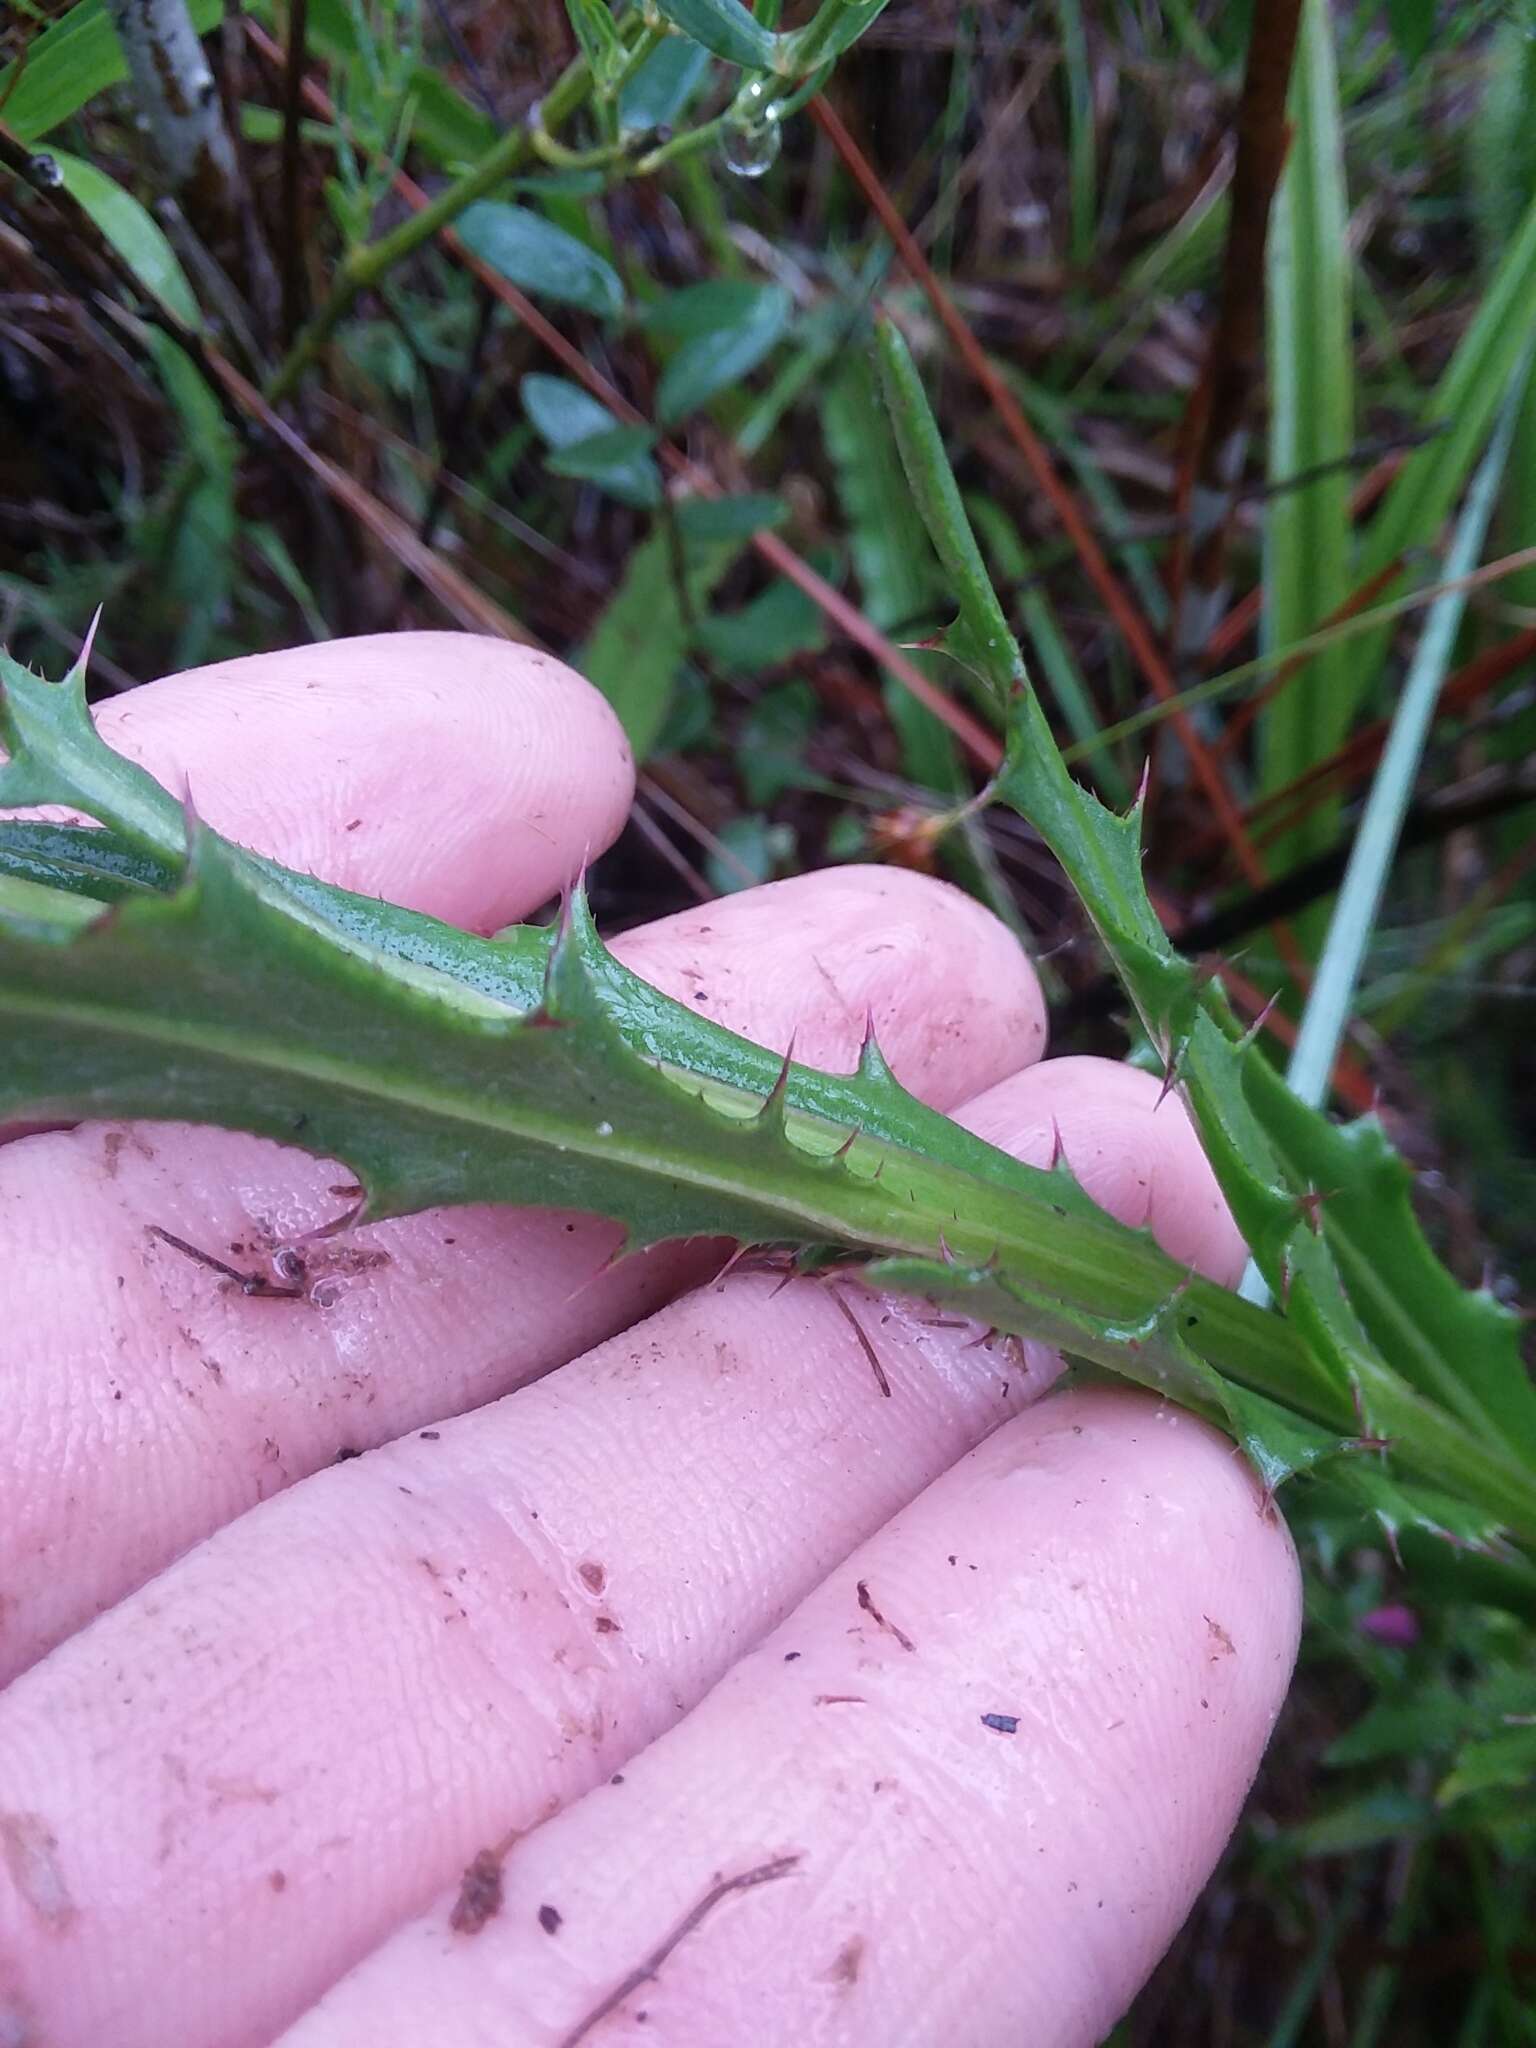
(256, 1285)
(293, 170)
(723, 1888)
(463, 602)
(1216, 426)
(1490, 794)
(881, 1381)
(365, 266)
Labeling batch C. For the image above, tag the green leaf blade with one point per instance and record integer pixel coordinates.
(723, 27)
(532, 253)
(724, 330)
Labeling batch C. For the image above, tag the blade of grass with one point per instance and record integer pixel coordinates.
(1463, 403)
(1082, 143)
(1354, 919)
(1367, 622)
(1307, 530)
(1502, 146)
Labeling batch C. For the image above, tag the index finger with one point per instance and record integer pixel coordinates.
(449, 773)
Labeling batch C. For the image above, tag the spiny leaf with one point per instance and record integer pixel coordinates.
(81, 859)
(57, 758)
(1458, 1345)
(441, 1071)
(1261, 1142)
(1160, 1351)
(446, 1069)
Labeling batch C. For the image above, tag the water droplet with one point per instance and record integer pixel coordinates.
(752, 148)
(605, 1130)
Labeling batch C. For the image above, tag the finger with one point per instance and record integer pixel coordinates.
(451, 773)
(977, 1815)
(151, 1400)
(451, 1638)
(1130, 1145)
(981, 992)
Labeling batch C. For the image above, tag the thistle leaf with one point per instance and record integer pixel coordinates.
(214, 986)
(1325, 1212)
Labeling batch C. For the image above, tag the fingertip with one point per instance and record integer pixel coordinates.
(1131, 1145)
(449, 772)
(952, 997)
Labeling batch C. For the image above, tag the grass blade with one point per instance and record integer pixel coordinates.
(1306, 547)
(1462, 406)
(1354, 918)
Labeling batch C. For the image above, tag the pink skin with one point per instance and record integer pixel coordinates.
(219, 1797)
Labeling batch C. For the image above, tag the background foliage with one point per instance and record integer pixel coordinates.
(624, 404)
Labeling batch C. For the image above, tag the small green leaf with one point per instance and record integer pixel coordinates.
(539, 257)
(618, 461)
(134, 233)
(589, 442)
(832, 30)
(562, 411)
(1504, 1762)
(444, 124)
(1413, 27)
(778, 624)
(663, 85)
(1386, 1815)
(750, 850)
(722, 519)
(724, 329)
(723, 26)
(637, 646)
(774, 737)
(598, 34)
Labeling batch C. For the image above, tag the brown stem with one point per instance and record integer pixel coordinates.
(1216, 427)
(294, 295)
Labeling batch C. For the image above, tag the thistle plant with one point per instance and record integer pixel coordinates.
(151, 968)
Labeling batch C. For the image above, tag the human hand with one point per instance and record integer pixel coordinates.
(696, 1667)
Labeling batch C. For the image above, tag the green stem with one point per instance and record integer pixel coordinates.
(365, 266)
(835, 25)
